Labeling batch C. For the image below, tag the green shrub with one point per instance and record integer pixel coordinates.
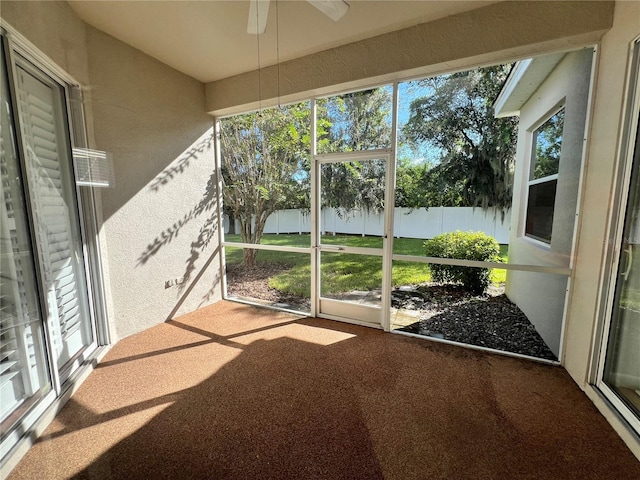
(463, 246)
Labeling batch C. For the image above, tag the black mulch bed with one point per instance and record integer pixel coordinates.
(490, 320)
(445, 311)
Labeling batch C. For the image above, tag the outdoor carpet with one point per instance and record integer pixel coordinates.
(236, 392)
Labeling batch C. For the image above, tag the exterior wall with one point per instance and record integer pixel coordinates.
(158, 223)
(55, 30)
(568, 83)
(160, 220)
(504, 30)
(599, 198)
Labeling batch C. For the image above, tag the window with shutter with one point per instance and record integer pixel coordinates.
(52, 195)
(23, 374)
(47, 324)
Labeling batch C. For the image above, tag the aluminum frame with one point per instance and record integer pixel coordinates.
(387, 250)
(63, 382)
(612, 258)
(355, 312)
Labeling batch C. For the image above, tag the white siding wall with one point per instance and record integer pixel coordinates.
(542, 297)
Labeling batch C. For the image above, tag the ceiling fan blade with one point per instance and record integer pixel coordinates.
(258, 14)
(334, 9)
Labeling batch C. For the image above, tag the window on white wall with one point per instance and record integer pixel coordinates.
(543, 177)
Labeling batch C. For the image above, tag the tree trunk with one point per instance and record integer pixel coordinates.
(232, 224)
(252, 235)
(247, 234)
(249, 257)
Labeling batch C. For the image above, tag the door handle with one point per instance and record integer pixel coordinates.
(331, 247)
(627, 270)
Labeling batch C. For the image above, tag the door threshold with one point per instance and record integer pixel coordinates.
(268, 305)
(350, 320)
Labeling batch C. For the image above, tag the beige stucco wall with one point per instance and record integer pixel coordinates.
(54, 29)
(598, 199)
(542, 296)
(505, 30)
(158, 221)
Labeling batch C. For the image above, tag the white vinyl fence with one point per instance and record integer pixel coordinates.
(418, 223)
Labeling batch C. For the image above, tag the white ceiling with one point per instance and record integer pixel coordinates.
(207, 39)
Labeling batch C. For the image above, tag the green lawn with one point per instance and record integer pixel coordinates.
(342, 272)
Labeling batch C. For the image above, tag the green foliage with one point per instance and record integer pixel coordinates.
(295, 281)
(463, 246)
(264, 156)
(341, 272)
(478, 149)
(421, 185)
(354, 185)
(266, 164)
(548, 140)
(355, 122)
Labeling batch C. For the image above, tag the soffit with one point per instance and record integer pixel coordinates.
(523, 81)
(207, 40)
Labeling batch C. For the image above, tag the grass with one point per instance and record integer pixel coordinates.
(343, 272)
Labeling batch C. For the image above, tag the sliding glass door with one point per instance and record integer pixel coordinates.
(620, 362)
(46, 329)
(55, 213)
(24, 374)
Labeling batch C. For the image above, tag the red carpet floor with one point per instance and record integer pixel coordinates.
(234, 392)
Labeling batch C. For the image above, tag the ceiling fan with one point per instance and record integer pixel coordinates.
(259, 10)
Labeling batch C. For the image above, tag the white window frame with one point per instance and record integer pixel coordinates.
(531, 160)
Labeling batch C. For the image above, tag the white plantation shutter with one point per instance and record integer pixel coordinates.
(54, 211)
(21, 359)
(14, 361)
(46, 324)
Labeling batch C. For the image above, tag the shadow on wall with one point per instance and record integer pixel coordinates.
(154, 165)
(204, 211)
(183, 162)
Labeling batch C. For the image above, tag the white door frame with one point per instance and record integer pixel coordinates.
(627, 151)
(336, 309)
